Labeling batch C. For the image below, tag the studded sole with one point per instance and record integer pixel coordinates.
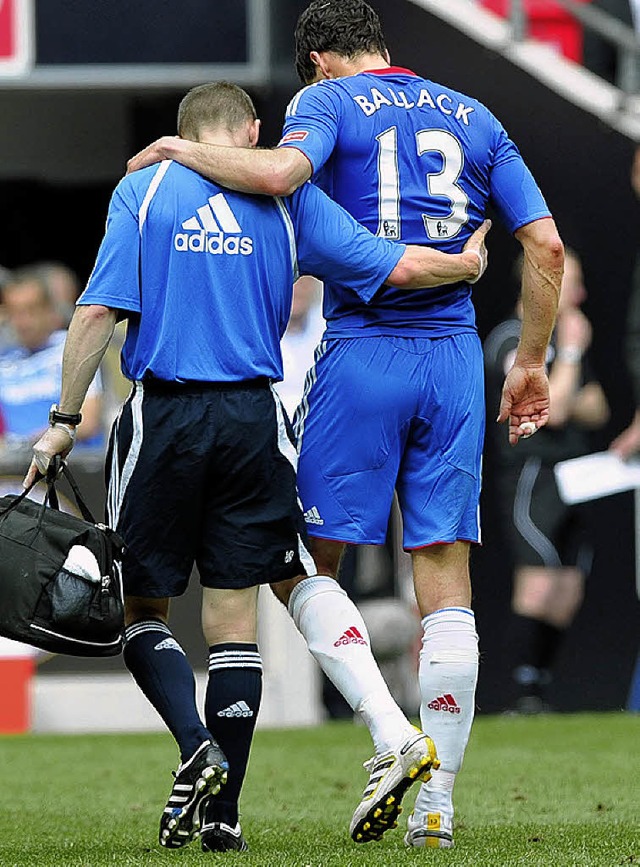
(383, 817)
(184, 823)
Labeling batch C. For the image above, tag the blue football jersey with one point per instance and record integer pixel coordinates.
(416, 162)
(205, 275)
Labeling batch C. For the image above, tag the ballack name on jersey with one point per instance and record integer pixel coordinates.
(376, 99)
(213, 229)
(202, 242)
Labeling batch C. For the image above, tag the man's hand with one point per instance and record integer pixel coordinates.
(627, 444)
(56, 440)
(154, 153)
(476, 244)
(525, 401)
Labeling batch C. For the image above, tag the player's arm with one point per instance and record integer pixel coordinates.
(89, 334)
(112, 287)
(525, 395)
(422, 267)
(276, 172)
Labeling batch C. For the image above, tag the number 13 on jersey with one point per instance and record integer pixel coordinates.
(440, 184)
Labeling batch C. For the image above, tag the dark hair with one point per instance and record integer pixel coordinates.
(347, 27)
(220, 104)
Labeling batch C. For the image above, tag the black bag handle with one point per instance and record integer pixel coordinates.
(57, 467)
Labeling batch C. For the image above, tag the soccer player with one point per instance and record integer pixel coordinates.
(201, 468)
(396, 396)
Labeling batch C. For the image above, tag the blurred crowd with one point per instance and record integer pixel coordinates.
(37, 305)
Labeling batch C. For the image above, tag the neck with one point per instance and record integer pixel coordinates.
(218, 137)
(362, 63)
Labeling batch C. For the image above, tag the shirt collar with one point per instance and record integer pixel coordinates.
(389, 70)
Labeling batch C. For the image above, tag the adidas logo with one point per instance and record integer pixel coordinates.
(444, 702)
(238, 708)
(350, 636)
(312, 516)
(208, 231)
(169, 644)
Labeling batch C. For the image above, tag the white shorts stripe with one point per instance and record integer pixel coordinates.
(118, 483)
(302, 411)
(286, 448)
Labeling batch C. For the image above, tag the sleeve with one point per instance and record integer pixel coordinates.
(332, 246)
(311, 123)
(114, 281)
(513, 190)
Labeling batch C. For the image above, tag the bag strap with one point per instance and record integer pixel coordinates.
(85, 511)
(57, 467)
(20, 497)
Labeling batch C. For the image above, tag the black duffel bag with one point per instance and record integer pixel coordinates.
(60, 575)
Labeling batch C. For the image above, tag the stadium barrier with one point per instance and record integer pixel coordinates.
(16, 680)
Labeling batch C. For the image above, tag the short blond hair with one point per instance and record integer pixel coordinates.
(220, 104)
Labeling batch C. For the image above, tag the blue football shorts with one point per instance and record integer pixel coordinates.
(385, 413)
(204, 474)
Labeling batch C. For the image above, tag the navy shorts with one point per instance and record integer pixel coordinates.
(204, 474)
(385, 413)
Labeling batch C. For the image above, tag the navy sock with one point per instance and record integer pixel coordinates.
(232, 701)
(160, 668)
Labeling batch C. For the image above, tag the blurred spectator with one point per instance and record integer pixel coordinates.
(548, 542)
(30, 370)
(627, 443)
(601, 55)
(63, 287)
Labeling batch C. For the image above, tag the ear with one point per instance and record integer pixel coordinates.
(254, 133)
(387, 56)
(322, 64)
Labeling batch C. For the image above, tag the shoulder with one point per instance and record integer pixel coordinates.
(135, 186)
(320, 92)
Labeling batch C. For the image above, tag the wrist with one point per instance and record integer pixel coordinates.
(68, 428)
(569, 354)
(475, 265)
(56, 415)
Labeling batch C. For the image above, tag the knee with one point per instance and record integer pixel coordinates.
(137, 608)
(282, 590)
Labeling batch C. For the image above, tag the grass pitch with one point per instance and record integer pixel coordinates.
(556, 790)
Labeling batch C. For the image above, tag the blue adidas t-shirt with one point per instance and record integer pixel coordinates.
(206, 275)
(416, 162)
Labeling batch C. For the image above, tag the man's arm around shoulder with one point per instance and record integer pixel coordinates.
(271, 172)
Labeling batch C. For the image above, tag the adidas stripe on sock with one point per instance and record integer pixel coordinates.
(232, 701)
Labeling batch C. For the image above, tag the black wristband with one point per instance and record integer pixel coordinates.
(56, 416)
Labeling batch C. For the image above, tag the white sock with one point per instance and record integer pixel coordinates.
(337, 637)
(448, 676)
